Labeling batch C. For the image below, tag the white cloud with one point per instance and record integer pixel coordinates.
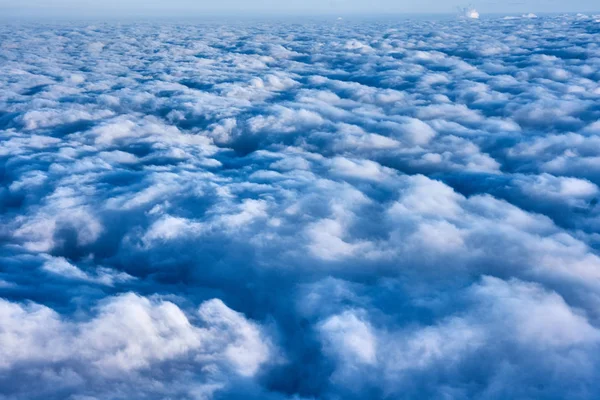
(407, 210)
(104, 276)
(131, 333)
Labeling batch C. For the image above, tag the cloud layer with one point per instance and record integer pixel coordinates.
(300, 211)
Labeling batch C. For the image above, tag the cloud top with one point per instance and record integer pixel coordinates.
(297, 211)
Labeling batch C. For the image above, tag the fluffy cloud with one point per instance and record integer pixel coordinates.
(299, 211)
(435, 359)
(127, 338)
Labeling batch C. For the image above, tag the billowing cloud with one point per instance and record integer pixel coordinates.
(127, 338)
(299, 211)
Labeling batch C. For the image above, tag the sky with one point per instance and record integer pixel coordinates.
(193, 8)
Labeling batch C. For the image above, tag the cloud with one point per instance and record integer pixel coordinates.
(366, 209)
(104, 276)
(128, 336)
(431, 359)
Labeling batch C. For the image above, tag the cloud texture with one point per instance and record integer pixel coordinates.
(299, 211)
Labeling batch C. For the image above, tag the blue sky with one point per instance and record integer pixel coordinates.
(294, 7)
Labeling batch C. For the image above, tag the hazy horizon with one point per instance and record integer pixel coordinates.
(237, 8)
